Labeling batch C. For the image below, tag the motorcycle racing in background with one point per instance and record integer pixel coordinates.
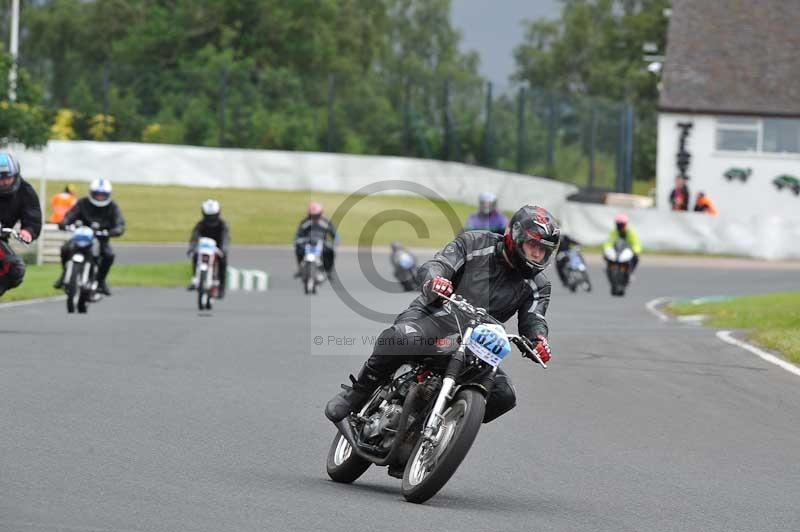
(206, 278)
(618, 266)
(312, 273)
(575, 273)
(404, 265)
(621, 252)
(80, 269)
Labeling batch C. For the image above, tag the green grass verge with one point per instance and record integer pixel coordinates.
(257, 216)
(772, 320)
(39, 279)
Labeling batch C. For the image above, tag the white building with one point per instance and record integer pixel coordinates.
(732, 69)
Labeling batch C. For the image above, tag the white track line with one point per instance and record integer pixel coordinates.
(651, 307)
(726, 336)
(30, 301)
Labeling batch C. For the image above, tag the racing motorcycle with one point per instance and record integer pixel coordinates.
(312, 274)
(405, 269)
(423, 423)
(618, 266)
(80, 270)
(12, 233)
(575, 271)
(206, 277)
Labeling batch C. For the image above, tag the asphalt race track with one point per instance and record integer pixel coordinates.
(145, 415)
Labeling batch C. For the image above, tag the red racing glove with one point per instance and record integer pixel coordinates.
(541, 348)
(438, 286)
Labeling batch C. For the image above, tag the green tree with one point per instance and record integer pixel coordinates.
(23, 120)
(595, 51)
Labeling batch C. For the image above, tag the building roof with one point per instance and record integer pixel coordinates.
(733, 57)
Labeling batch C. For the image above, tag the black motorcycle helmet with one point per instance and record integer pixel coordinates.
(10, 179)
(531, 223)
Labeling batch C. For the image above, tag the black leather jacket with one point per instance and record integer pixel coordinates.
(108, 217)
(322, 229)
(219, 232)
(23, 207)
(475, 264)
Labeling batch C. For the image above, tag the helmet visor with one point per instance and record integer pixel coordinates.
(534, 247)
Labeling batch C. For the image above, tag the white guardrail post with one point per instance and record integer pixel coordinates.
(247, 280)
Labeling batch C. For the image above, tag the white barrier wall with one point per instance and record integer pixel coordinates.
(766, 236)
(769, 235)
(161, 164)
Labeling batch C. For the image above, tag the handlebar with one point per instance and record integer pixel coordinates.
(10, 231)
(480, 314)
(97, 232)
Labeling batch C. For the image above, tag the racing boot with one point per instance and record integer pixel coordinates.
(103, 288)
(59, 284)
(352, 399)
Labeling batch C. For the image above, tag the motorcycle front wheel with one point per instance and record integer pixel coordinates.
(343, 465)
(202, 293)
(433, 463)
(73, 289)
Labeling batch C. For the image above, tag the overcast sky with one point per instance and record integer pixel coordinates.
(493, 28)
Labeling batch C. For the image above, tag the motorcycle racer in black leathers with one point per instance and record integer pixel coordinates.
(503, 274)
(214, 227)
(98, 211)
(18, 203)
(314, 225)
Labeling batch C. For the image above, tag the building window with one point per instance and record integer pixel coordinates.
(766, 135)
(781, 135)
(738, 134)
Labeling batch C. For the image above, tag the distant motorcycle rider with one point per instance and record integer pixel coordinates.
(622, 229)
(99, 212)
(18, 203)
(214, 227)
(488, 218)
(503, 274)
(314, 225)
(562, 256)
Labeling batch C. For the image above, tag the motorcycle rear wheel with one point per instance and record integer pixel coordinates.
(427, 473)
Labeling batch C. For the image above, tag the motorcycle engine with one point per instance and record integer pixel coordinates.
(388, 417)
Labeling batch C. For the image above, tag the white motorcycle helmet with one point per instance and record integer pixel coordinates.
(210, 210)
(100, 192)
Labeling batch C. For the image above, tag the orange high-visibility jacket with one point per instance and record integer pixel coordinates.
(61, 203)
(704, 205)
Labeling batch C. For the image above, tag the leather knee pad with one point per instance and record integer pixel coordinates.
(391, 348)
(502, 399)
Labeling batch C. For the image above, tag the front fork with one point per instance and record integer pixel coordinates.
(434, 423)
